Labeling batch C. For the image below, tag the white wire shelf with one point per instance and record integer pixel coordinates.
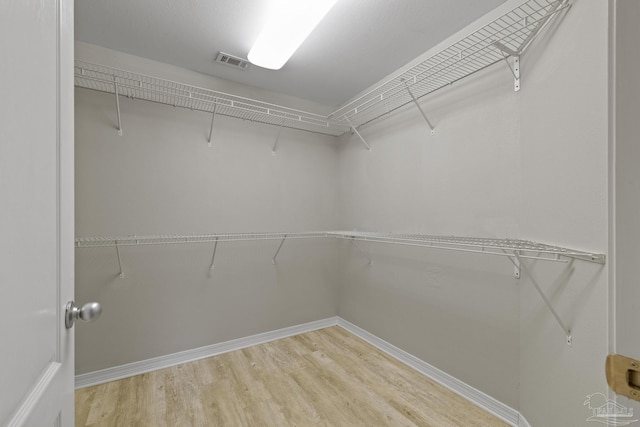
(488, 246)
(95, 242)
(515, 250)
(148, 88)
(507, 36)
(512, 248)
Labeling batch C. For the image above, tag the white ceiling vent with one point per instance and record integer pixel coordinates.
(232, 61)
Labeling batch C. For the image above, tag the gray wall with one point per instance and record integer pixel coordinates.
(564, 134)
(161, 178)
(458, 312)
(532, 165)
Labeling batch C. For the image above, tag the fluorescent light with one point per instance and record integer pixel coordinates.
(290, 24)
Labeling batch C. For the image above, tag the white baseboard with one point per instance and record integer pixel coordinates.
(484, 401)
(137, 368)
(522, 422)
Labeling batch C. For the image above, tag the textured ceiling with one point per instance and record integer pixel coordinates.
(358, 43)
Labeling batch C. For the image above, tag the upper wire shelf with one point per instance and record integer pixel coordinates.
(512, 248)
(507, 36)
(140, 86)
(93, 242)
(488, 246)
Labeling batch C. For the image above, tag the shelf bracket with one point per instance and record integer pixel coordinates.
(564, 327)
(515, 262)
(515, 68)
(213, 257)
(119, 261)
(353, 128)
(275, 144)
(213, 117)
(415, 101)
(115, 90)
(273, 261)
(361, 251)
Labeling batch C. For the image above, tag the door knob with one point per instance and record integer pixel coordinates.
(89, 312)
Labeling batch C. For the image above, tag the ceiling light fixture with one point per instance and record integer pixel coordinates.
(290, 24)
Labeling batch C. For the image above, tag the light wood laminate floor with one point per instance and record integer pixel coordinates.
(322, 378)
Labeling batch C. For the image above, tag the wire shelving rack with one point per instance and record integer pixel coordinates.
(513, 249)
(505, 37)
(168, 239)
(140, 86)
(510, 248)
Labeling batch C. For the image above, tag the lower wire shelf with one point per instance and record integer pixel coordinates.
(515, 250)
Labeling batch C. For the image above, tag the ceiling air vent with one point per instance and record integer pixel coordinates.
(232, 61)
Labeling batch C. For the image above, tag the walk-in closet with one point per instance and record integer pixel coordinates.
(427, 216)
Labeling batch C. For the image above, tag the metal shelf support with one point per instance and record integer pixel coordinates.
(213, 257)
(516, 263)
(275, 144)
(362, 252)
(415, 101)
(119, 261)
(353, 128)
(564, 327)
(213, 117)
(515, 68)
(273, 261)
(115, 90)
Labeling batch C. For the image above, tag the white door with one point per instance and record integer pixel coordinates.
(36, 212)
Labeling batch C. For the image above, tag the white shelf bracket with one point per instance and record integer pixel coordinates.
(213, 256)
(115, 89)
(119, 261)
(275, 144)
(516, 263)
(361, 251)
(213, 117)
(515, 58)
(415, 101)
(353, 128)
(516, 73)
(564, 327)
(273, 261)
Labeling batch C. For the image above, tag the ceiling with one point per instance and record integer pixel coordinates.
(357, 44)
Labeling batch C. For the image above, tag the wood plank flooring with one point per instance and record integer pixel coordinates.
(322, 378)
